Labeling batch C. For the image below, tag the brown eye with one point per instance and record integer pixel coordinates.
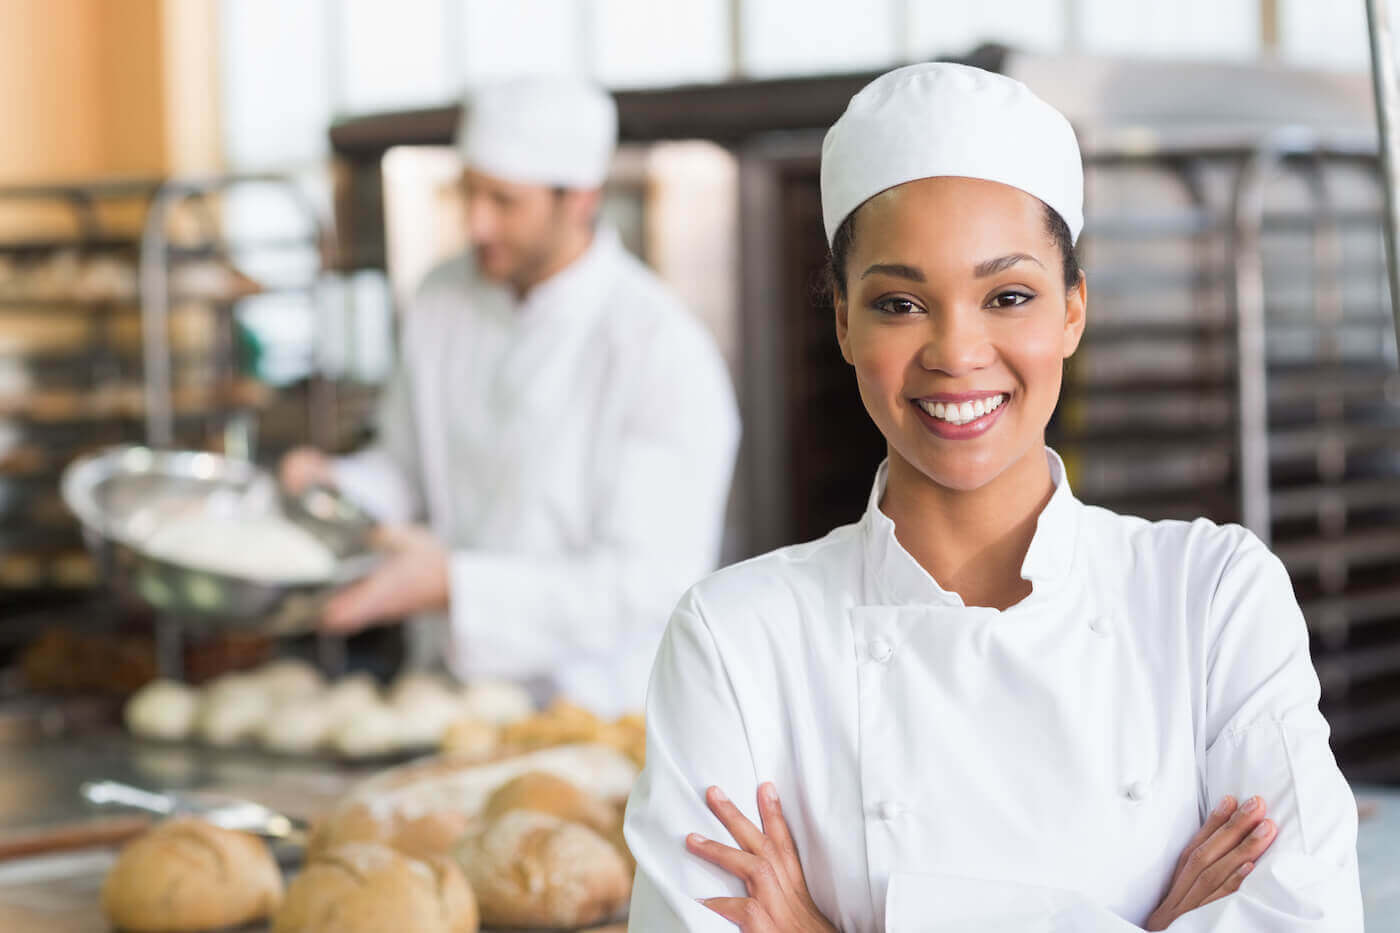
(1010, 299)
(896, 306)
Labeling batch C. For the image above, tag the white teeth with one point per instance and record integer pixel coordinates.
(956, 413)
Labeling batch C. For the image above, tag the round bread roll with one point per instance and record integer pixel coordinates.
(289, 679)
(543, 792)
(187, 875)
(297, 730)
(425, 717)
(368, 888)
(471, 738)
(349, 695)
(372, 730)
(531, 869)
(233, 710)
(163, 709)
(416, 687)
(497, 701)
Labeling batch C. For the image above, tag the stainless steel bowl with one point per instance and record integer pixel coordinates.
(122, 495)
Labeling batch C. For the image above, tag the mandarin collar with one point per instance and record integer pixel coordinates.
(894, 577)
(580, 286)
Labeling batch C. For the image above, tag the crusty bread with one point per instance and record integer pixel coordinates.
(369, 888)
(531, 869)
(425, 807)
(187, 875)
(548, 793)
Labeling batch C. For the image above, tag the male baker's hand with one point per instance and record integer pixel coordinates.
(1217, 859)
(413, 578)
(766, 861)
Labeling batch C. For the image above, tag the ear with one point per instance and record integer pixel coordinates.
(843, 323)
(584, 205)
(1076, 310)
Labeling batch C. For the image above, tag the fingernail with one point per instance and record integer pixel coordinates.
(769, 792)
(1246, 868)
(719, 794)
(1224, 805)
(1262, 830)
(695, 839)
(1251, 805)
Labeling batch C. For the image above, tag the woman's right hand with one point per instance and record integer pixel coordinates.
(1216, 860)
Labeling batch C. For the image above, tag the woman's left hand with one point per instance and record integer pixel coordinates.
(768, 865)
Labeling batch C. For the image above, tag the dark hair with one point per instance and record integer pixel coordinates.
(845, 236)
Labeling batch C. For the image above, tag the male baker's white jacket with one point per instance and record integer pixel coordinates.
(947, 768)
(573, 450)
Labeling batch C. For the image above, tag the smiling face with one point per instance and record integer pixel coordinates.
(956, 317)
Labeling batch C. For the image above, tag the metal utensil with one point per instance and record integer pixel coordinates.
(228, 812)
(124, 494)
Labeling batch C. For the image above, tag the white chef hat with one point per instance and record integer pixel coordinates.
(540, 130)
(939, 119)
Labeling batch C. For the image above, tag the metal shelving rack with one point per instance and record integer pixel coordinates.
(148, 388)
(1240, 364)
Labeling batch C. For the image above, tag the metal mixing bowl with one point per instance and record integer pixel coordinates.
(122, 495)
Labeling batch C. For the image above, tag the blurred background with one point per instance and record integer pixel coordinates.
(211, 212)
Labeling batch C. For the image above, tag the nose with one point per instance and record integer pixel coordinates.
(957, 343)
(481, 220)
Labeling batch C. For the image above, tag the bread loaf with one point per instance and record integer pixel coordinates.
(427, 806)
(531, 869)
(368, 888)
(187, 875)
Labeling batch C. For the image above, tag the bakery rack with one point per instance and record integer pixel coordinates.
(1241, 364)
(119, 324)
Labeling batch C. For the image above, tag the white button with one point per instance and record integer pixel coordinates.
(880, 650)
(1136, 791)
(889, 810)
(1098, 625)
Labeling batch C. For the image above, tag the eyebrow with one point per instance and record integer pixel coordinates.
(981, 270)
(1002, 263)
(898, 270)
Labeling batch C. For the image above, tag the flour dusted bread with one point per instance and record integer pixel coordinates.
(543, 792)
(186, 875)
(427, 806)
(369, 888)
(532, 869)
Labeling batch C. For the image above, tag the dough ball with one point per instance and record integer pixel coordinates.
(373, 730)
(289, 679)
(497, 701)
(233, 710)
(163, 709)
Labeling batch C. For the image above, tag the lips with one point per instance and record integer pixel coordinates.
(961, 416)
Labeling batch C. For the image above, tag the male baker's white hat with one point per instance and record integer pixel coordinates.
(551, 131)
(939, 119)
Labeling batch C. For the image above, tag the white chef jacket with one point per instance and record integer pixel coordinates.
(573, 450)
(952, 768)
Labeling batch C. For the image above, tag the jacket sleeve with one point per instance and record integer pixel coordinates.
(696, 737)
(658, 520)
(384, 478)
(1264, 735)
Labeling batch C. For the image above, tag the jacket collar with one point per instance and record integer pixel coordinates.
(893, 577)
(579, 287)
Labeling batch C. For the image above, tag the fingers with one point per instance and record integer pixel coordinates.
(1230, 885)
(749, 837)
(758, 874)
(1217, 818)
(744, 912)
(775, 827)
(1206, 854)
(1223, 871)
